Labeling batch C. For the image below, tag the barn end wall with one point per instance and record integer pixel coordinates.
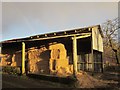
(97, 39)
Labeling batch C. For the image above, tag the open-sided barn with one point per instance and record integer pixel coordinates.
(56, 53)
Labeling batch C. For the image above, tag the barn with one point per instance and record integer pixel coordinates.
(68, 52)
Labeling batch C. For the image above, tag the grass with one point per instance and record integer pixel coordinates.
(11, 70)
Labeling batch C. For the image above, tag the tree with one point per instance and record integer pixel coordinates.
(110, 31)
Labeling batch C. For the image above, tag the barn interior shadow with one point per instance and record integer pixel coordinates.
(43, 64)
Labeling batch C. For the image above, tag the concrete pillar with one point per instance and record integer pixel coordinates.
(23, 58)
(74, 55)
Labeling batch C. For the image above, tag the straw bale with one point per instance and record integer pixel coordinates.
(59, 56)
(5, 59)
(39, 60)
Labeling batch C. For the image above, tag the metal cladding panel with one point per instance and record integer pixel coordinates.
(97, 39)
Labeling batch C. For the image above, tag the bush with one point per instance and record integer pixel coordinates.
(112, 68)
(11, 70)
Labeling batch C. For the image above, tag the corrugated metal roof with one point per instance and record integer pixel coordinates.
(53, 34)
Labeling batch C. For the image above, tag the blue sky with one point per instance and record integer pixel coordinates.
(22, 19)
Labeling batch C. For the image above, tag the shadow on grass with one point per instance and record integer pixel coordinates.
(113, 68)
(63, 80)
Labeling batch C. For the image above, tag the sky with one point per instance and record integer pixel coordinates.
(22, 19)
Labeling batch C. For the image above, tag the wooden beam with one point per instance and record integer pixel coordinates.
(65, 33)
(53, 37)
(37, 36)
(74, 55)
(23, 58)
(54, 33)
(84, 36)
(45, 35)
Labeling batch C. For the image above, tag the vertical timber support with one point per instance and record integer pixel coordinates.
(92, 54)
(23, 58)
(102, 63)
(92, 61)
(74, 55)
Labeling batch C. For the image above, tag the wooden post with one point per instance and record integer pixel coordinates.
(92, 55)
(23, 58)
(74, 55)
(102, 63)
(87, 61)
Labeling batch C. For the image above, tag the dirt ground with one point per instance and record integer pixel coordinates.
(87, 81)
(84, 81)
(110, 78)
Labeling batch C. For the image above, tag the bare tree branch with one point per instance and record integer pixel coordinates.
(110, 30)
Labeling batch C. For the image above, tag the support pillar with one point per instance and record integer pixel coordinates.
(92, 61)
(102, 63)
(74, 55)
(92, 55)
(23, 58)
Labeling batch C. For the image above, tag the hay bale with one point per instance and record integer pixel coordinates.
(58, 51)
(5, 59)
(59, 56)
(17, 59)
(39, 60)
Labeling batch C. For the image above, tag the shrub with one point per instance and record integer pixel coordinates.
(11, 70)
